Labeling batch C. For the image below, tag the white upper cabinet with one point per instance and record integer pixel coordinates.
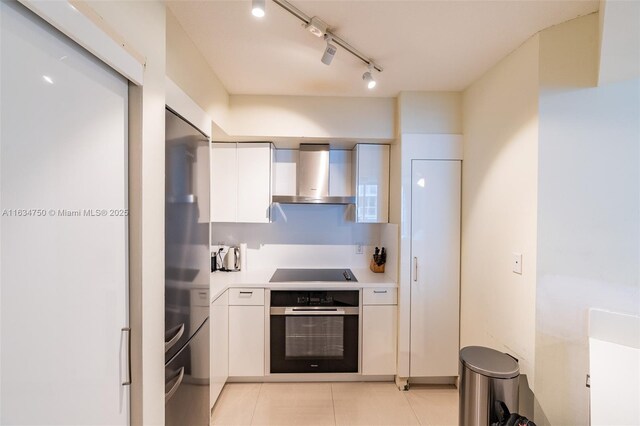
(371, 181)
(224, 182)
(254, 182)
(241, 182)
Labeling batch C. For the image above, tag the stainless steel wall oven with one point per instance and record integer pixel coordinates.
(314, 331)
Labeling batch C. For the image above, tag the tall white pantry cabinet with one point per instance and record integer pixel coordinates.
(435, 267)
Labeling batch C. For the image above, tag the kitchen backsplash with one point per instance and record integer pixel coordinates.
(306, 236)
(300, 224)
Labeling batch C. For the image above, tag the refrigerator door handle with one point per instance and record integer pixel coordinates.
(174, 388)
(128, 330)
(179, 331)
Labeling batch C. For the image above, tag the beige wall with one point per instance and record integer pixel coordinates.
(265, 117)
(588, 212)
(312, 117)
(188, 69)
(142, 25)
(499, 204)
(430, 112)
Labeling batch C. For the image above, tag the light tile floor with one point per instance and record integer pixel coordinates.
(342, 403)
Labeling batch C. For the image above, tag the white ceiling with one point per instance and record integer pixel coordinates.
(422, 45)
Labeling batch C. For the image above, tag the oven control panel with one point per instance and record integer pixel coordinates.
(314, 298)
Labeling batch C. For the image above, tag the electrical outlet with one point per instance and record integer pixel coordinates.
(359, 249)
(517, 263)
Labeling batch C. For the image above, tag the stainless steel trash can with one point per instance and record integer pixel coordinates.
(486, 376)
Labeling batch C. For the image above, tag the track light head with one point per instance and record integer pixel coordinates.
(329, 51)
(257, 8)
(368, 78)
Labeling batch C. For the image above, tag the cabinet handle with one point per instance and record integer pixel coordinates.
(246, 293)
(415, 269)
(380, 291)
(128, 330)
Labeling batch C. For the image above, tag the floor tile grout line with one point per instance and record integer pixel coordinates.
(253, 412)
(405, 393)
(333, 404)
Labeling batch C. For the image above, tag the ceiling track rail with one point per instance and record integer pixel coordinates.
(306, 19)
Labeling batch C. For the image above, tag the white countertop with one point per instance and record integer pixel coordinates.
(221, 281)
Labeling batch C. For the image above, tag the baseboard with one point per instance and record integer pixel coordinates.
(453, 380)
(316, 377)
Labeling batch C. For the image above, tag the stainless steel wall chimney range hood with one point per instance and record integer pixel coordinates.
(313, 179)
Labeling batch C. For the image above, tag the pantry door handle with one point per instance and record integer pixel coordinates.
(128, 331)
(415, 269)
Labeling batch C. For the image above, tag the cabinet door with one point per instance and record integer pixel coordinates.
(219, 367)
(379, 327)
(372, 183)
(224, 182)
(435, 276)
(246, 341)
(254, 182)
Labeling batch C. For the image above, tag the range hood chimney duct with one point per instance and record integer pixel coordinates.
(313, 179)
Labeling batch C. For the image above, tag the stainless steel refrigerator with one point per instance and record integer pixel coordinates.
(187, 263)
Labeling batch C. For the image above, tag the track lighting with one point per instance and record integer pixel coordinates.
(368, 78)
(329, 51)
(319, 28)
(257, 8)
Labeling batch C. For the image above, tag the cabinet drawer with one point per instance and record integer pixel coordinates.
(246, 296)
(379, 296)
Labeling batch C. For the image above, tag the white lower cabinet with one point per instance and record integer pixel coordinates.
(219, 361)
(379, 335)
(246, 341)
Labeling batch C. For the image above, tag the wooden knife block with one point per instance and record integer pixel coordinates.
(375, 268)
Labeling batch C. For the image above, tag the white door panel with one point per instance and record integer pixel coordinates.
(63, 149)
(435, 280)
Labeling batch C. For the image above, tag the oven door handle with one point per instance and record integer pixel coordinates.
(302, 311)
(314, 311)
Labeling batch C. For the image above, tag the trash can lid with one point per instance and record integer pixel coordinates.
(489, 362)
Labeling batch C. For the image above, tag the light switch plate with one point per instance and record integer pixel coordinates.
(517, 263)
(358, 248)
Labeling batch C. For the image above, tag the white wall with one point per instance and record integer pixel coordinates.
(499, 204)
(588, 212)
(619, 40)
(188, 69)
(142, 25)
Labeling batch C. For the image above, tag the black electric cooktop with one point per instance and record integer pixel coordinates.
(308, 275)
